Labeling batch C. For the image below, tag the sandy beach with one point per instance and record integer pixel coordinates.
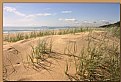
(18, 51)
(15, 57)
(61, 42)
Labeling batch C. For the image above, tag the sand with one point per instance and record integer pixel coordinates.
(15, 58)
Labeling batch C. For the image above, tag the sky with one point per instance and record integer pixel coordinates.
(60, 14)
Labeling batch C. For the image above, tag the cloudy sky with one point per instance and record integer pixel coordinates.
(60, 14)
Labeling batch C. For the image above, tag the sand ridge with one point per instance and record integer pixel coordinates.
(18, 51)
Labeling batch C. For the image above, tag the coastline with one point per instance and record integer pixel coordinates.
(19, 51)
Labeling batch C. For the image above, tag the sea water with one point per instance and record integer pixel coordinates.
(28, 29)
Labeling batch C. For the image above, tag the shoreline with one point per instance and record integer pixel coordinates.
(17, 36)
(62, 29)
(31, 30)
(61, 47)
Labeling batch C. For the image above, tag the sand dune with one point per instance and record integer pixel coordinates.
(15, 56)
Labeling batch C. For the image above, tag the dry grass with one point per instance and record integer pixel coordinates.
(34, 34)
(99, 60)
(40, 53)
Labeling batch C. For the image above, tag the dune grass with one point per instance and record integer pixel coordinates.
(34, 34)
(115, 31)
(17, 37)
(73, 30)
(98, 61)
(40, 53)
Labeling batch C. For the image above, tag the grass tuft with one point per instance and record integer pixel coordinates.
(99, 61)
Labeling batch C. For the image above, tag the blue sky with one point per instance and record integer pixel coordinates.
(60, 14)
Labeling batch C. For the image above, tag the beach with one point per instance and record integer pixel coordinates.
(24, 48)
(61, 42)
(15, 57)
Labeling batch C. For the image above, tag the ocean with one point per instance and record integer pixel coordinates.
(28, 29)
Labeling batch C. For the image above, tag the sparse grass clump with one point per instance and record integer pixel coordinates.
(16, 38)
(74, 30)
(99, 61)
(115, 31)
(40, 53)
(33, 35)
(26, 36)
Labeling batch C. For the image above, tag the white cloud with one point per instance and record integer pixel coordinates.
(18, 13)
(22, 18)
(103, 20)
(29, 16)
(66, 12)
(67, 19)
(44, 14)
(39, 14)
(13, 10)
(70, 19)
(85, 21)
(9, 9)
